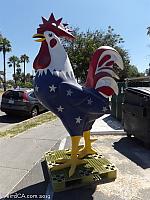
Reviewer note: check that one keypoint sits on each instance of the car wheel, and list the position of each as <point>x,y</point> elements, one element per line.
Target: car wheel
<point>34,112</point>
<point>129,135</point>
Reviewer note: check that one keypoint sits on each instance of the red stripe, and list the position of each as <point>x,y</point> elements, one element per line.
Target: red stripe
<point>110,63</point>
<point>106,90</point>
<point>103,60</point>
<point>92,67</point>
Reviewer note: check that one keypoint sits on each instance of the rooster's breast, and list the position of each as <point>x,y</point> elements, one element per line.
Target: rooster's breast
<point>46,89</point>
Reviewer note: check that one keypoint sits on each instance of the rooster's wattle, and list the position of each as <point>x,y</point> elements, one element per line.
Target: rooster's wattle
<point>56,87</point>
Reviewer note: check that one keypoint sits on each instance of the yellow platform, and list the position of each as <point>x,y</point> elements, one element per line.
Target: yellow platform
<point>97,170</point>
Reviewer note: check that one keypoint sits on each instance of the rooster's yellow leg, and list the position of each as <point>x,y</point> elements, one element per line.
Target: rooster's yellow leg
<point>73,162</point>
<point>87,150</point>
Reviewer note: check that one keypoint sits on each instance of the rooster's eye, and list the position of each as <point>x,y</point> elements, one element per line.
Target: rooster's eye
<point>50,34</point>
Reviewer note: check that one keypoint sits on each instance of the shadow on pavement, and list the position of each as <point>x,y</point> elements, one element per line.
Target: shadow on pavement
<point>113,123</point>
<point>36,185</point>
<point>39,191</point>
<point>36,191</point>
<point>76,194</point>
<point>133,150</point>
<point>11,119</point>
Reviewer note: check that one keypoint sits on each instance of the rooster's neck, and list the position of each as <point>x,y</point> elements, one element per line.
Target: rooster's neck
<point>59,59</point>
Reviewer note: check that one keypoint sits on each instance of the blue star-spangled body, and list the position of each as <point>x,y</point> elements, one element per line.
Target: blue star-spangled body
<point>76,106</point>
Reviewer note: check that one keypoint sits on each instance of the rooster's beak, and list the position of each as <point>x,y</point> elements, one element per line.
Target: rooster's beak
<point>40,36</point>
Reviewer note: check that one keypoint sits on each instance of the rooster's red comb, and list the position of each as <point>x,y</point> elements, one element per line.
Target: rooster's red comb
<point>55,26</point>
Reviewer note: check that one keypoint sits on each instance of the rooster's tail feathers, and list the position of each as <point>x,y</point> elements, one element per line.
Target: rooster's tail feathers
<point>107,86</point>
<point>100,74</point>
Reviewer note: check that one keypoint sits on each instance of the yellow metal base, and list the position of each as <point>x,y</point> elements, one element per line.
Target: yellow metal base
<point>97,170</point>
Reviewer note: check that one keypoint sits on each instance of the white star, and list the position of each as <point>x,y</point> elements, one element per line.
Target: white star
<point>78,120</point>
<point>36,88</point>
<point>104,109</point>
<point>52,88</point>
<point>89,101</point>
<point>60,109</point>
<point>69,92</point>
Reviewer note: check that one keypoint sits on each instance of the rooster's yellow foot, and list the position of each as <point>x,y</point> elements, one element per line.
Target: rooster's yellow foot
<point>79,148</point>
<point>93,140</point>
<point>72,163</point>
<point>86,151</point>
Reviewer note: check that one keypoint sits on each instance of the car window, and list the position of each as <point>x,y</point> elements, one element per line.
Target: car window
<point>13,94</point>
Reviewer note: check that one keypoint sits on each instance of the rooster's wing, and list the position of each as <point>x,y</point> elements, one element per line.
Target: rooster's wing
<point>86,100</point>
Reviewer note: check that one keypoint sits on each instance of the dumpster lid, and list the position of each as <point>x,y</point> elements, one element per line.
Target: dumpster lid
<point>141,90</point>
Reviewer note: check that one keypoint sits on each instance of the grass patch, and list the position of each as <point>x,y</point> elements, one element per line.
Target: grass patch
<point>27,124</point>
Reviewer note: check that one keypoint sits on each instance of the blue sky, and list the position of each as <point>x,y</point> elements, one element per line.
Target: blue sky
<point>19,20</point>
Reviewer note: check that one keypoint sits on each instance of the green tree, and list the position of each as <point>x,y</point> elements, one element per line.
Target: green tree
<point>82,48</point>
<point>129,69</point>
<point>14,62</point>
<point>29,77</point>
<point>133,71</point>
<point>24,59</point>
<point>19,76</point>
<point>10,83</point>
<point>5,47</point>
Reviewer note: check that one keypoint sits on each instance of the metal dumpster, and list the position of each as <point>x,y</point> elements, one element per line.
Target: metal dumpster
<point>136,113</point>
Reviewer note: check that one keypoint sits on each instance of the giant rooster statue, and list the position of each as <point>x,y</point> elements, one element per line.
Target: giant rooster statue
<point>56,87</point>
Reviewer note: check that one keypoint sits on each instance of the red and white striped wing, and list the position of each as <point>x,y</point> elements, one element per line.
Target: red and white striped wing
<point>104,81</point>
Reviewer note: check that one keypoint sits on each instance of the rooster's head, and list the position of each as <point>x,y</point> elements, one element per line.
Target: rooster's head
<point>48,34</point>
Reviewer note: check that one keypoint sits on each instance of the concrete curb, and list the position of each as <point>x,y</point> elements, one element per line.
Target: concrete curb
<point>120,132</point>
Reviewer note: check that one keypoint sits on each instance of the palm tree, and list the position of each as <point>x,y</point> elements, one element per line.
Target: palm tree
<point>5,46</point>
<point>24,59</point>
<point>15,62</point>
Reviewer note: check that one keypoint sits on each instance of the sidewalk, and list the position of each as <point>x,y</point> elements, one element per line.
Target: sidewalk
<point>19,155</point>
<point>107,125</point>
